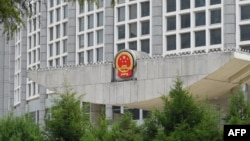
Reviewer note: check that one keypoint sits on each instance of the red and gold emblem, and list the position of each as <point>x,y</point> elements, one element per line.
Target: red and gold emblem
<point>124,63</point>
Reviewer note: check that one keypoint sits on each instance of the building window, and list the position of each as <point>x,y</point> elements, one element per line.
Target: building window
<point>245,14</point>
<point>81,41</point>
<point>38,54</point>
<point>215,36</point>
<point>133,30</point>
<point>81,7</point>
<point>99,53</point>
<point>90,21</point>
<point>51,63</point>
<point>185,4</point>
<point>29,89</point>
<point>34,88</point>
<point>212,2</point>
<point>245,32</point>
<point>185,20</point>
<point>133,45</point>
<point>100,3</point>
<point>57,48</point>
<point>65,29</point>
<point>135,113</point>
<point>34,56</point>
<point>90,56</point>
<point>200,3</point>
<point>30,26</point>
<point>58,2</point>
<point>171,42</point>
<point>121,14</point>
<point>121,32</point>
<point>145,45</point>
<point>200,18</point>
<point>38,38</point>
<point>34,40</point>
<point>30,45</point>
<point>51,16</point>
<point>65,45</point>
<point>34,24</point>
<point>185,40</point>
<point>65,11</point>
<point>120,47</point>
<point>50,50</point>
<point>58,62</point>
<point>90,39</point>
<point>215,16</point>
<point>81,58</point>
<point>29,58</point>
<point>51,33</point>
<point>100,19</point>
<point>81,24</point>
<point>57,31</point>
<point>58,14</point>
<point>51,3</point>
<point>145,10</point>
<point>171,5</point>
<point>133,11</point>
<point>64,59</point>
<point>171,23</point>
<point>247,47</point>
<point>99,36</point>
<point>200,38</point>
<point>145,28</point>
<point>90,6</point>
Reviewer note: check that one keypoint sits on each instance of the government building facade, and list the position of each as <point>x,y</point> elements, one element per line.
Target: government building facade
<point>125,56</point>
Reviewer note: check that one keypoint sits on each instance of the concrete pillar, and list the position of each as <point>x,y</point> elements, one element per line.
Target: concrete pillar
<point>43,60</point>
<point>108,112</point>
<point>156,25</point>
<point>109,31</point>
<point>229,17</point>
<point>71,47</point>
<point>244,88</point>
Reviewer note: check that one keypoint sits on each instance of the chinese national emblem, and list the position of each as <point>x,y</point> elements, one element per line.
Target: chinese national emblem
<point>124,64</point>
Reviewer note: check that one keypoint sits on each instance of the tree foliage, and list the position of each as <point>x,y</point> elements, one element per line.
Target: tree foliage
<point>68,119</point>
<point>19,129</point>
<point>125,129</point>
<point>99,132</point>
<point>182,118</point>
<point>239,109</point>
<point>11,15</point>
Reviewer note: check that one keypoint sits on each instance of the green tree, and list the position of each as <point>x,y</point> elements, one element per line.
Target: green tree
<point>19,129</point>
<point>11,15</point>
<point>126,129</point>
<point>239,109</point>
<point>98,132</point>
<point>182,118</point>
<point>68,119</point>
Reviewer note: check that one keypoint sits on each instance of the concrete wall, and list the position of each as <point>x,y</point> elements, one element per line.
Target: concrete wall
<point>152,78</point>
